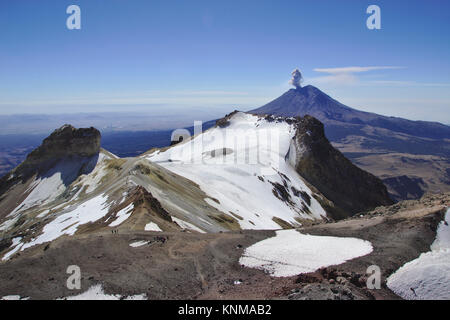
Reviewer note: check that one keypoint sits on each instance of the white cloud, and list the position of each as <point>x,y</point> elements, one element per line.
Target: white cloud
<point>349,70</point>
<point>335,79</point>
<point>409,83</point>
<point>345,75</point>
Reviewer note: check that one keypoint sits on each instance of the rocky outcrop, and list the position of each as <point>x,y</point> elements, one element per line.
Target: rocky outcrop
<point>350,188</point>
<point>225,121</point>
<point>144,199</point>
<point>65,142</point>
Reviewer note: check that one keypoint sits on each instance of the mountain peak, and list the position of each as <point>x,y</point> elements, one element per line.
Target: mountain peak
<point>67,151</point>
<point>68,141</point>
<point>64,142</point>
<point>301,101</point>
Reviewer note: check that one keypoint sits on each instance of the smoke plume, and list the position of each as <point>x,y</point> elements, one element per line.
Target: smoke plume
<point>296,78</point>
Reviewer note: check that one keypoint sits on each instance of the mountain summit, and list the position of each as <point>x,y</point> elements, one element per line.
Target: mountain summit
<point>68,151</point>
<point>307,100</point>
<point>314,102</point>
<point>411,157</point>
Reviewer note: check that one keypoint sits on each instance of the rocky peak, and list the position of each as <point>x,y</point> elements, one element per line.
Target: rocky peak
<point>65,142</point>
<point>225,121</point>
<point>350,188</point>
<point>142,198</point>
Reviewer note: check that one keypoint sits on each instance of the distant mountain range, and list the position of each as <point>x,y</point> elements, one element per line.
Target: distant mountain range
<point>412,157</point>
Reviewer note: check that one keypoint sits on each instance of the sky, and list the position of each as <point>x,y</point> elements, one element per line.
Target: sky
<point>148,55</point>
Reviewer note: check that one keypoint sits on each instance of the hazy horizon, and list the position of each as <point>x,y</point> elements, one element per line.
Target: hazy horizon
<point>131,58</point>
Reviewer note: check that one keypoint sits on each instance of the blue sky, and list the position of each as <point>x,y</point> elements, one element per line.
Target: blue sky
<point>219,55</point>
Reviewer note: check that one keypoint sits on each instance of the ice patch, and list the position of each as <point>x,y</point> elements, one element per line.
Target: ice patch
<point>291,253</point>
<point>428,276</point>
<point>7,224</point>
<point>96,293</point>
<point>43,213</point>
<point>138,243</point>
<point>186,225</point>
<point>14,297</point>
<point>16,245</point>
<point>151,226</point>
<point>122,215</point>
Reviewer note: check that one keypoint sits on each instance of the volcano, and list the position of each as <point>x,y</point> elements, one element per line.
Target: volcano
<point>411,157</point>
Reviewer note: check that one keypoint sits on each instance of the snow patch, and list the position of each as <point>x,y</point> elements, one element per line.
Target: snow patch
<point>151,226</point>
<point>186,225</point>
<point>93,179</point>
<point>16,245</point>
<point>122,215</point>
<point>291,253</point>
<point>14,297</point>
<point>52,184</point>
<point>138,243</point>
<point>43,213</point>
<point>97,293</point>
<point>68,223</point>
<point>428,276</point>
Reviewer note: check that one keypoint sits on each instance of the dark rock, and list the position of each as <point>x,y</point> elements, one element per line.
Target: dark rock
<point>280,191</point>
<point>65,142</point>
<point>143,198</point>
<point>350,188</point>
<point>225,121</point>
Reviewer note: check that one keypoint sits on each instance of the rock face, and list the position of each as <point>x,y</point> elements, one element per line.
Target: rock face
<point>350,188</point>
<point>143,198</point>
<point>66,141</point>
<point>225,121</point>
